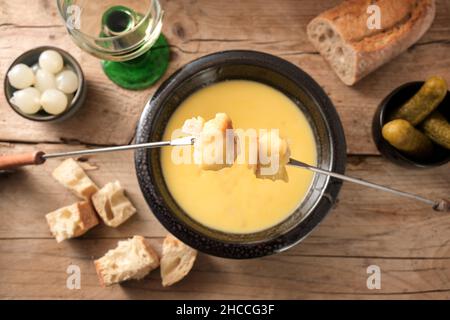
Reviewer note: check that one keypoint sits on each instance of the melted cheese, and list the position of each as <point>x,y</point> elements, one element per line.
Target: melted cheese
<point>233,199</point>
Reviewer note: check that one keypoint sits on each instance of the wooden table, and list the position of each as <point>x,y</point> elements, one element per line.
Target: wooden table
<point>407,240</point>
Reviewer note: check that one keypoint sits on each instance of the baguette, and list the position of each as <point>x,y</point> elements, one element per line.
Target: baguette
<point>70,174</point>
<point>71,221</point>
<point>131,259</point>
<point>176,261</point>
<point>112,205</point>
<point>342,36</point>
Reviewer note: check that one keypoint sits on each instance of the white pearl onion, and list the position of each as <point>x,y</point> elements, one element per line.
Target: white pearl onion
<point>51,61</point>
<point>35,68</point>
<point>21,76</point>
<point>45,80</point>
<point>54,101</point>
<point>67,81</point>
<point>27,100</point>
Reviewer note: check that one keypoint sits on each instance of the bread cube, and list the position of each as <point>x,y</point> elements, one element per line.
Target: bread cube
<point>72,221</point>
<point>273,156</point>
<point>131,259</point>
<point>70,174</point>
<point>176,261</point>
<point>210,147</point>
<point>112,205</point>
<point>193,126</point>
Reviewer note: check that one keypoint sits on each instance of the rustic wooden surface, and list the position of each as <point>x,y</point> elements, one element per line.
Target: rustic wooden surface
<point>407,240</point>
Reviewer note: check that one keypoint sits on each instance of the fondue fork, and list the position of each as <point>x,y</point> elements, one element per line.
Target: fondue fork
<point>185,141</point>
<point>439,205</point>
<point>8,162</point>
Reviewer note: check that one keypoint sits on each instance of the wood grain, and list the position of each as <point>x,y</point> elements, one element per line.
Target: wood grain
<point>194,29</point>
<point>406,239</point>
<point>37,269</point>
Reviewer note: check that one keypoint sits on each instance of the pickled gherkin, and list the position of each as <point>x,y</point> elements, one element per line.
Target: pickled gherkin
<point>423,102</point>
<point>404,137</point>
<point>437,128</point>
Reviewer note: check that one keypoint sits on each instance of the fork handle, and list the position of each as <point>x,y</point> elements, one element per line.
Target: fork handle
<point>13,161</point>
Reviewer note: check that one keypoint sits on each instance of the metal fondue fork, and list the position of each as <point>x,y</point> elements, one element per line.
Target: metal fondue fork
<point>13,161</point>
<point>185,141</point>
<point>440,205</point>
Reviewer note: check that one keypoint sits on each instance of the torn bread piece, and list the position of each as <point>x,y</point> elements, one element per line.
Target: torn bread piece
<point>273,156</point>
<point>72,221</point>
<point>112,205</point>
<point>131,259</point>
<point>176,261</point>
<point>70,174</point>
<point>193,126</point>
<point>214,146</point>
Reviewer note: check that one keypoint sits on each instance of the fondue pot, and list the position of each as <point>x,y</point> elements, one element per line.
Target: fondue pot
<point>295,84</point>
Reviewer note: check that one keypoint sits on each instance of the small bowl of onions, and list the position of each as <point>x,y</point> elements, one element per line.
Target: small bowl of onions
<point>45,84</point>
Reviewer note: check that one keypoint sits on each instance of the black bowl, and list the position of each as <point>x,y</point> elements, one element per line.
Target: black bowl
<point>393,101</point>
<point>281,75</point>
<point>30,58</point>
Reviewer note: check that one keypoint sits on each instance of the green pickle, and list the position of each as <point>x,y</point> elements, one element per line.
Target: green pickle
<point>404,137</point>
<point>437,128</point>
<point>424,102</point>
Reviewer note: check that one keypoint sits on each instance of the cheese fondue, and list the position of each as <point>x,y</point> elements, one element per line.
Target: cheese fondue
<point>234,199</point>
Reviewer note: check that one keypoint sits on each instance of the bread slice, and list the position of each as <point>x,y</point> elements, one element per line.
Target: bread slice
<point>343,38</point>
<point>112,205</point>
<point>131,259</point>
<point>176,261</point>
<point>72,221</point>
<point>72,176</point>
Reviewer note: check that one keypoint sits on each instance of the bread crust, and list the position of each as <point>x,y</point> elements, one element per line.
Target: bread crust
<point>99,271</point>
<point>404,22</point>
<point>88,217</point>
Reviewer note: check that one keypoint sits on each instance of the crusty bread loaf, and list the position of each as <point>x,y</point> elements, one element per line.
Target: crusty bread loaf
<point>176,261</point>
<point>72,176</point>
<point>131,259</point>
<point>72,221</point>
<point>344,39</point>
<point>112,205</point>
